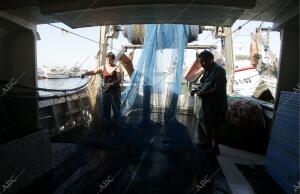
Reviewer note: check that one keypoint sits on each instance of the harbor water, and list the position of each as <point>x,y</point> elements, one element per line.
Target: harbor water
<point>60,84</point>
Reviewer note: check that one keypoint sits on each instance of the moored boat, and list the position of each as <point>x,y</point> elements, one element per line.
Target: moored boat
<point>58,73</point>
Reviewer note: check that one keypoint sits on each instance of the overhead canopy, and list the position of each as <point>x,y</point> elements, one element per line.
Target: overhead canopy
<point>82,13</point>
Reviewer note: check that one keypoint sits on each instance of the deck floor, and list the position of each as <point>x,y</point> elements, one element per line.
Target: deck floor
<point>151,158</point>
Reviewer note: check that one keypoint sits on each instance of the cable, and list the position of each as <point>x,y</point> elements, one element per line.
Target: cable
<point>241,26</point>
<point>261,24</point>
<point>46,89</point>
<point>84,12</point>
<point>24,95</point>
<point>73,33</point>
<point>187,6</point>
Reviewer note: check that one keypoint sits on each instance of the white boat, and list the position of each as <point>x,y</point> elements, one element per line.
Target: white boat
<point>246,81</point>
<point>57,73</point>
<point>57,76</point>
<point>254,80</point>
<point>75,71</point>
<point>249,81</point>
<point>41,73</point>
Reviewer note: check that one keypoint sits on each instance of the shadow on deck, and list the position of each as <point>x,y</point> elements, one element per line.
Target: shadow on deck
<point>147,158</point>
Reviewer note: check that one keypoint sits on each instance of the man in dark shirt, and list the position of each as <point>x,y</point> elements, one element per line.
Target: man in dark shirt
<point>212,91</point>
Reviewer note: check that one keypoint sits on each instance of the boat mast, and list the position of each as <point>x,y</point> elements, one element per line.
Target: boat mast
<point>103,42</point>
<point>229,62</point>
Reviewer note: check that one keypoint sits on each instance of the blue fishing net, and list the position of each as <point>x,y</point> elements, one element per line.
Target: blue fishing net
<point>156,81</point>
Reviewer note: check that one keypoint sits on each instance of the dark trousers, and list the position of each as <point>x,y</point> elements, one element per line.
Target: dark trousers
<point>213,124</point>
<point>213,132</point>
<point>111,99</point>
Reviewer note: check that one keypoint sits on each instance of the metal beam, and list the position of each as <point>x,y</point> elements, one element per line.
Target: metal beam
<point>188,47</point>
<point>60,6</point>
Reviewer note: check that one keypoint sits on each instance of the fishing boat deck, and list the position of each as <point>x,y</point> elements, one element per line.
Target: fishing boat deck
<point>143,158</point>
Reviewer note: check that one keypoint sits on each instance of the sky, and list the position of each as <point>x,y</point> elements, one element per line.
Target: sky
<point>60,48</point>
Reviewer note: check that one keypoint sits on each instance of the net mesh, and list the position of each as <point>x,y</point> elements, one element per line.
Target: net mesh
<point>156,81</point>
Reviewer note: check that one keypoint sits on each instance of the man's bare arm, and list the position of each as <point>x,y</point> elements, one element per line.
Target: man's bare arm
<point>98,70</point>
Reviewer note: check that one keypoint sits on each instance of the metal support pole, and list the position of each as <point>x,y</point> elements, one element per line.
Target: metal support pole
<point>229,62</point>
<point>103,45</point>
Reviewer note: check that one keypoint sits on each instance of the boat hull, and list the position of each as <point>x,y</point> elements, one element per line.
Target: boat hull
<point>57,76</point>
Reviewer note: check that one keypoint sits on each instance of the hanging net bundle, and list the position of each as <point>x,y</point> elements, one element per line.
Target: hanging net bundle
<point>156,81</point>
<point>135,33</point>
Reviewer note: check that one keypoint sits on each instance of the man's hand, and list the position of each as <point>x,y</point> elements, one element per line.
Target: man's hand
<point>199,93</point>
<point>83,75</point>
<point>193,92</point>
